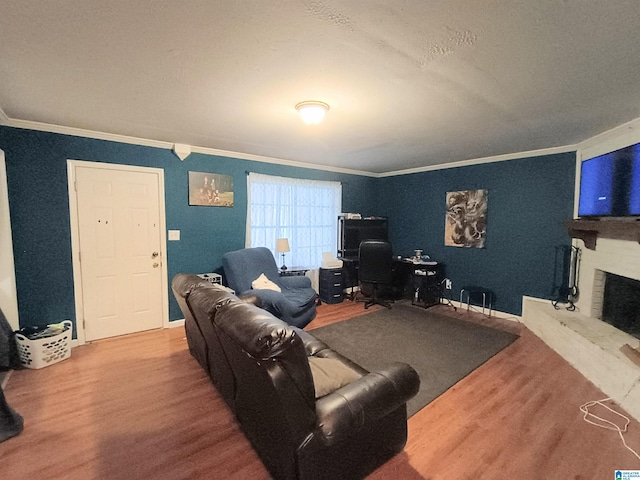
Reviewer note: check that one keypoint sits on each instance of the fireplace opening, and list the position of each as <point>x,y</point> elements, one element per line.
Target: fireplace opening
<point>621,303</point>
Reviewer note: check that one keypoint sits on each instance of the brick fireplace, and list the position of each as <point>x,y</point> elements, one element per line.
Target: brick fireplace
<point>617,256</point>
<point>617,301</point>
<point>589,344</point>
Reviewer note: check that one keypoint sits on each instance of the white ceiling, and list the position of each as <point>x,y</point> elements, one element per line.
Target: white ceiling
<point>411,83</point>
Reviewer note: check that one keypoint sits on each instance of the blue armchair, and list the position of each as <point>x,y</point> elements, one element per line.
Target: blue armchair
<point>295,304</point>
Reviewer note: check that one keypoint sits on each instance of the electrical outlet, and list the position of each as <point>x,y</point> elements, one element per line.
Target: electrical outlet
<point>447,284</point>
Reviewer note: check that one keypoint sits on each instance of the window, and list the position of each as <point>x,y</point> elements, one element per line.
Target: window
<point>304,211</point>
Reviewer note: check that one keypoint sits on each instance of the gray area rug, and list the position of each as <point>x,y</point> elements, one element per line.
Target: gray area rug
<point>443,350</point>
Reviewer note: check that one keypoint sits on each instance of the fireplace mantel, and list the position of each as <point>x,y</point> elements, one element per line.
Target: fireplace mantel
<point>589,230</point>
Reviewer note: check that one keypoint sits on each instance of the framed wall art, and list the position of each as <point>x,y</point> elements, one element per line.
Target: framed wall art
<point>210,189</point>
<point>466,219</point>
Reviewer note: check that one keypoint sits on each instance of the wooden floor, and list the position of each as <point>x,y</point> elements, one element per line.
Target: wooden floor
<point>140,407</point>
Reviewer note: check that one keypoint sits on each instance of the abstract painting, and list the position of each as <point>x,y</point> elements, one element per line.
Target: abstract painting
<point>466,219</point>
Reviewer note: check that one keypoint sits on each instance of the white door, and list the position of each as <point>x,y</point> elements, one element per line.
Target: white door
<point>120,254</point>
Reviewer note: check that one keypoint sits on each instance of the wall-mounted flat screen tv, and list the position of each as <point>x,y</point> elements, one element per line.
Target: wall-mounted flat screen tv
<point>610,184</point>
<point>634,196</point>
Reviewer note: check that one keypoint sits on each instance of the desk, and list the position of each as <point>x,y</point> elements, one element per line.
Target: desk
<point>406,283</point>
<point>422,282</point>
<point>350,268</point>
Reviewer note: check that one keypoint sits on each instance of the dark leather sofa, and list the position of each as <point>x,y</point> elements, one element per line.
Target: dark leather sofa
<point>309,412</point>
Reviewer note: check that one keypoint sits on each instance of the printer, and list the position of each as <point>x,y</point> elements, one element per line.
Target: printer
<point>329,261</point>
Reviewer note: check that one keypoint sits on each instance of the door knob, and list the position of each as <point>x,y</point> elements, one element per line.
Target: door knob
<point>155,265</point>
<point>155,254</point>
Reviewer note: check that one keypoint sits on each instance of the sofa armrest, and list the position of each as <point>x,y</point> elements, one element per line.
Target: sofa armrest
<point>365,400</point>
<point>295,281</point>
<point>311,344</point>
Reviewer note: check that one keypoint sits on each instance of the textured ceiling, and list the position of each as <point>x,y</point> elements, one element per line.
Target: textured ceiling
<point>411,83</point>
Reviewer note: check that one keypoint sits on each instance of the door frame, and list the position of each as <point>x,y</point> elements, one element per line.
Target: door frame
<point>8,291</point>
<point>75,237</point>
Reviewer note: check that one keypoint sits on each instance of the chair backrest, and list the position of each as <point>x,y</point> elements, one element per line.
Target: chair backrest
<point>204,302</point>
<point>182,285</point>
<point>376,262</point>
<point>241,267</point>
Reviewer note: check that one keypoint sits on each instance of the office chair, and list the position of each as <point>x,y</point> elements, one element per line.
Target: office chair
<point>376,263</point>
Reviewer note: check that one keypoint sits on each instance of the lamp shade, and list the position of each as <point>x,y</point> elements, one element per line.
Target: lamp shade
<point>282,245</point>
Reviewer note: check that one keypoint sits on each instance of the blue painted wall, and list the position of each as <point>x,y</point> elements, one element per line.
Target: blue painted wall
<point>39,205</point>
<point>528,199</point>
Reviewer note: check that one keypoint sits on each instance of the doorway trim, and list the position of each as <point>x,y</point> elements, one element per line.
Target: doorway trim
<point>8,291</point>
<point>75,237</point>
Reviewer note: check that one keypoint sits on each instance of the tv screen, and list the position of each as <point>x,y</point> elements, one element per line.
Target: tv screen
<point>596,186</point>
<point>610,184</point>
<point>634,195</point>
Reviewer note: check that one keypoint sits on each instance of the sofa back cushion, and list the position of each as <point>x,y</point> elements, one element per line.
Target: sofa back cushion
<point>267,339</point>
<point>182,285</point>
<point>275,401</point>
<point>204,302</point>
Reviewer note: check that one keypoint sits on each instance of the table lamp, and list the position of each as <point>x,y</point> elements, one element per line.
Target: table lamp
<point>282,246</point>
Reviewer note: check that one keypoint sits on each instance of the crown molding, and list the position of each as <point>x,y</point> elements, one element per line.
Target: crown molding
<point>80,132</point>
<point>113,137</point>
<point>611,140</point>
<point>279,161</point>
<point>478,161</point>
<point>618,137</point>
<point>4,118</point>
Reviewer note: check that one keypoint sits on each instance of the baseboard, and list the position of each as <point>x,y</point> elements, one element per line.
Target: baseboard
<point>173,324</point>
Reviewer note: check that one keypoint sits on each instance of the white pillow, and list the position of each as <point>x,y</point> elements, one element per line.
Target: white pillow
<point>263,283</point>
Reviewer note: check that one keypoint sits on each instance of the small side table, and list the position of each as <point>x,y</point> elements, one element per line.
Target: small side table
<point>426,291</point>
<point>215,278</point>
<point>478,292</point>
<point>293,272</point>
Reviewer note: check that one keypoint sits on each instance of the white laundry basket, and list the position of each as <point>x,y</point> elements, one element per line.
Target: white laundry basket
<point>46,351</point>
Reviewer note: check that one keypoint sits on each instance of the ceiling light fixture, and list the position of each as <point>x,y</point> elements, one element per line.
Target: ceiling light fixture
<point>312,112</point>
